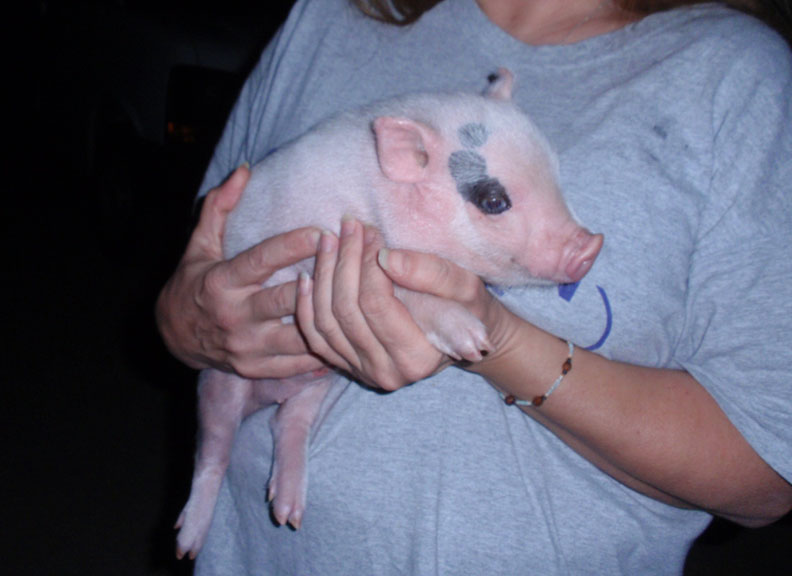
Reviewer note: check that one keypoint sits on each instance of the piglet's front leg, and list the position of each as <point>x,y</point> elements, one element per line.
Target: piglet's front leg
<point>449,326</point>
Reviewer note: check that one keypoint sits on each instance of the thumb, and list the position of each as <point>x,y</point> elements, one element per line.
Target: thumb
<point>207,238</point>
<point>427,273</point>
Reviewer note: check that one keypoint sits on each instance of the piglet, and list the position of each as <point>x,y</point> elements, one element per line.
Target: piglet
<point>465,176</point>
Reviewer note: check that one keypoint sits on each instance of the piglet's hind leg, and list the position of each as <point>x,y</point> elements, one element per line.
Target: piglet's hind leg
<point>291,432</point>
<point>221,401</point>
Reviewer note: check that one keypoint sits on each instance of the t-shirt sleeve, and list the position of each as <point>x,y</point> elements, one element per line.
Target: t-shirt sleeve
<point>275,105</point>
<point>736,340</point>
<point>232,149</point>
<point>257,116</point>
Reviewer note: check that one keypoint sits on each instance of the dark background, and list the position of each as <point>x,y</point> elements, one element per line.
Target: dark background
<point>115,108</point>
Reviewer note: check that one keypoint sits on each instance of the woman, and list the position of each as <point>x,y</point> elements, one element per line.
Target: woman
<point>674,132</point>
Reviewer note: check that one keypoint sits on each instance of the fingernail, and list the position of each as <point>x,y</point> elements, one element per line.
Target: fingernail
<point>370,235</point>
<point>390,261</point>
<point>347,225</point>
<point>304,284</point>
<point>314,236</point>
<point>382,258</point>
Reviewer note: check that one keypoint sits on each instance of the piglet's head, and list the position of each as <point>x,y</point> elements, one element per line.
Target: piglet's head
<point>479,186</point>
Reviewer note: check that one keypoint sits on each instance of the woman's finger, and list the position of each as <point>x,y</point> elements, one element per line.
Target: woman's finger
<point>430,274</point>
<point>322,330</point>
<point>411,354</point>
<point>273,302</point>
<point>305,315</point>
<point>346,287</point>
<point>280,366</point>
<point>256,264</point>
<point>207,237</point>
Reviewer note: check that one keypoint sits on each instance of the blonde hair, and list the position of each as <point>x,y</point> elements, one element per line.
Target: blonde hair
<point>774,12</point>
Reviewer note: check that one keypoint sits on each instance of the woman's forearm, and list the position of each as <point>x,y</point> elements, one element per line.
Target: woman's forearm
<point>657,431</point>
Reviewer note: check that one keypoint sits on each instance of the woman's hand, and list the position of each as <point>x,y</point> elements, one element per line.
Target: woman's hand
<point>350,316</point>
<point>213,312</point>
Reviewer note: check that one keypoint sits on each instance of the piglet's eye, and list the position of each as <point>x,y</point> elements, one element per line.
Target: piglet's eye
<point>489,196</point>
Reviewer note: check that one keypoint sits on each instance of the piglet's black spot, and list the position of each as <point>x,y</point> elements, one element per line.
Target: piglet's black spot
<point>473,135</point>
<point>467,166</point>
<point>489,196</point>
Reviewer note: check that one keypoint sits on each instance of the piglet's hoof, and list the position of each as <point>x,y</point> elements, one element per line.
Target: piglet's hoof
<point>287,499</point>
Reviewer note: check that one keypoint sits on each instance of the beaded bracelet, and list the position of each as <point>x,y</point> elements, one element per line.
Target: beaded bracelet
<point>539,400</point>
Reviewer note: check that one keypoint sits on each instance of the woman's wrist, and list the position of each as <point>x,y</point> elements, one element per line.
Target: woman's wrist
<point>527,362</point>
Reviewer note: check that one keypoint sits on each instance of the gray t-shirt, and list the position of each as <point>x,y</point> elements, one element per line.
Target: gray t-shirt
<point>675,141</point>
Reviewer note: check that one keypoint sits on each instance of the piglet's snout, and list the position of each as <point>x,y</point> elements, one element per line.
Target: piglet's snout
<point>581,251</point>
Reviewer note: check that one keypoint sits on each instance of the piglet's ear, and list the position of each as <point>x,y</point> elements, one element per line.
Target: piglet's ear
<point>500,85</point>
<point>403,148</point>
